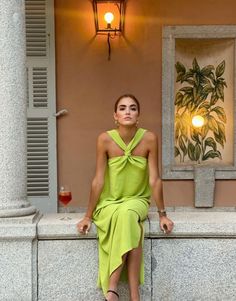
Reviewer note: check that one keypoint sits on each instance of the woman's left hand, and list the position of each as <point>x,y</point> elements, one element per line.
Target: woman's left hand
<point>166,224</point>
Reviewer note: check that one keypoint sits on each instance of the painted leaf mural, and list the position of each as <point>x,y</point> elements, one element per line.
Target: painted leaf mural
<point>201,94</point>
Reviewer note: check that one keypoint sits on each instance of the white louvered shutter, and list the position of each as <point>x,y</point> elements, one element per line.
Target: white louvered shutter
<point>41,123</point>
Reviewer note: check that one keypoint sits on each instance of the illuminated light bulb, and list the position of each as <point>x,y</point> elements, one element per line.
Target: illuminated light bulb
<point>109,17</point>
<point>198,121</point>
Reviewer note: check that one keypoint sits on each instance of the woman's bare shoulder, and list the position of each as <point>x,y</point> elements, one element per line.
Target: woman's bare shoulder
<point>103,138</point>
<point>151,141</point>
<point>103,142</point>
<point>150,137</point>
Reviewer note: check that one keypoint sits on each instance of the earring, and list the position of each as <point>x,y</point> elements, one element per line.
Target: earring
<point>116,123</point>
<point>137,123</point>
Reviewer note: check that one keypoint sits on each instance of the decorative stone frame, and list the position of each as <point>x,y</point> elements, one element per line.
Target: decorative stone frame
<point>170,33</point>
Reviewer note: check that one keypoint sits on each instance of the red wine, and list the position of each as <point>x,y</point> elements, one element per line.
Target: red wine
<point>65,197</point>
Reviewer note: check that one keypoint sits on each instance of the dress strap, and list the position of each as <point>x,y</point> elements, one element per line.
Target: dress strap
<point>114,134</point>
<point>137,138</point>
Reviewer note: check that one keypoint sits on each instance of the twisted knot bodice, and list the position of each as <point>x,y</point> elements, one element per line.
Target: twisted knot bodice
<point>127,152</point>
<point>132,144</point>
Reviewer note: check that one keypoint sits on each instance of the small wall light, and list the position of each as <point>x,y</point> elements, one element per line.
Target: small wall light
<point>198,121</point>
<point>109,18</point>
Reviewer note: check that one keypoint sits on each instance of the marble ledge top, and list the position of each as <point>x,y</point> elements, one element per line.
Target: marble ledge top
<point>187,224</point>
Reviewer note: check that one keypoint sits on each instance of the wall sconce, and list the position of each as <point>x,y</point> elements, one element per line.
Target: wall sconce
<point>109,19</point>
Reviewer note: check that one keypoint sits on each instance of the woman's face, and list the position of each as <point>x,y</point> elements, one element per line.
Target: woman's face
<point>127,112</point>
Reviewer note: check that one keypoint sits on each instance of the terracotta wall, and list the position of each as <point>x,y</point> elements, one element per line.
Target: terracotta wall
<point>88,84</point>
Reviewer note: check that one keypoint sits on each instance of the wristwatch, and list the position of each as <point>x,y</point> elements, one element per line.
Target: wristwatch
<point>162,212</point>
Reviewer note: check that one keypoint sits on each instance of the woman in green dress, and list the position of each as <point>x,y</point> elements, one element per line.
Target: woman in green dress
<point>126,176</point>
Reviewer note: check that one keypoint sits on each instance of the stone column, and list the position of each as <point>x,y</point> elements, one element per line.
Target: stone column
<point>13,105</point>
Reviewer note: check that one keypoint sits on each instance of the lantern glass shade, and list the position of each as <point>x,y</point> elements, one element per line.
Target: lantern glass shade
<point>101,8</point>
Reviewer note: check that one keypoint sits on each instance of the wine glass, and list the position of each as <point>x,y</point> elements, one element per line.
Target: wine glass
<point>65,197</point>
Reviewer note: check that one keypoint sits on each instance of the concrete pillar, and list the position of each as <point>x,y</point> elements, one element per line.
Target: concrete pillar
<point>13,102</point>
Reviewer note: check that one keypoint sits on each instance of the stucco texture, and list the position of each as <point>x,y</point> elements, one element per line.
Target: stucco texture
<point>88,84</point>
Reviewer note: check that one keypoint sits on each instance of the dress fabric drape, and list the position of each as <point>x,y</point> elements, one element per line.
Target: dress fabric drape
<point>122,208</point>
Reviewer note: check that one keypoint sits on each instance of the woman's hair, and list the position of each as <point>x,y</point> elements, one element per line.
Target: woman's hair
<point>124,96</point>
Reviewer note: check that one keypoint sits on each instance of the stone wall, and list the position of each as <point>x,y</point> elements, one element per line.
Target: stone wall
<point>196,262</point>
<point>43,258</point>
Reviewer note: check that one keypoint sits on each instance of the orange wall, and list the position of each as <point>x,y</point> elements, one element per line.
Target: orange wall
<point>88,84</point>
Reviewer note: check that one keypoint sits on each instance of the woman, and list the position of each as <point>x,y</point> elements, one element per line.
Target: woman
<point>126,173</point>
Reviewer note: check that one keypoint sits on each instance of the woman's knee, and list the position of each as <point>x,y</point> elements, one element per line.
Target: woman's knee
<point>128,214</point>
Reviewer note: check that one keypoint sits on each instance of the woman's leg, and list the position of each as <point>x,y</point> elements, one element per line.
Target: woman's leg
<point>134,258</point>
<point>133,265</point>
<point>114,279</point>
<point>127,220</point>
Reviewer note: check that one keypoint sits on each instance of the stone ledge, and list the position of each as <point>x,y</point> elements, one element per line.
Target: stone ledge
<point>15,232</point>
<point>22,220</point>
<point>196,224</point>
<point>52,227</point>
<point>19,228</point>
<point>187,224</point>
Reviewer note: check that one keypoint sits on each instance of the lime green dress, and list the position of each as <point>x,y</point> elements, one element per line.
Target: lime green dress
<point>122,208</point>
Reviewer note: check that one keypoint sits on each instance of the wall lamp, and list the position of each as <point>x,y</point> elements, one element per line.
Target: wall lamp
<point>109,19</point>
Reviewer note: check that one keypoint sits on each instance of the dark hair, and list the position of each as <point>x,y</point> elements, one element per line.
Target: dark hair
<point>124,96</point>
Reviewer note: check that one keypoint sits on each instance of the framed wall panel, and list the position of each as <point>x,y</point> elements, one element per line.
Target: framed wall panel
<point>198,79</point>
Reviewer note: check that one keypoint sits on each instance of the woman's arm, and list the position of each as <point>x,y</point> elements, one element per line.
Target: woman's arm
<point>156,183</point>
<point>97,183</point>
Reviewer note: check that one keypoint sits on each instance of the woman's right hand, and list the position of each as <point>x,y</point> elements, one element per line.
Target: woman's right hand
<point>84,225</point>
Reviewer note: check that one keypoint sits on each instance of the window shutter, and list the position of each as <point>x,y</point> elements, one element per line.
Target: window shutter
<point>41,122</point>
